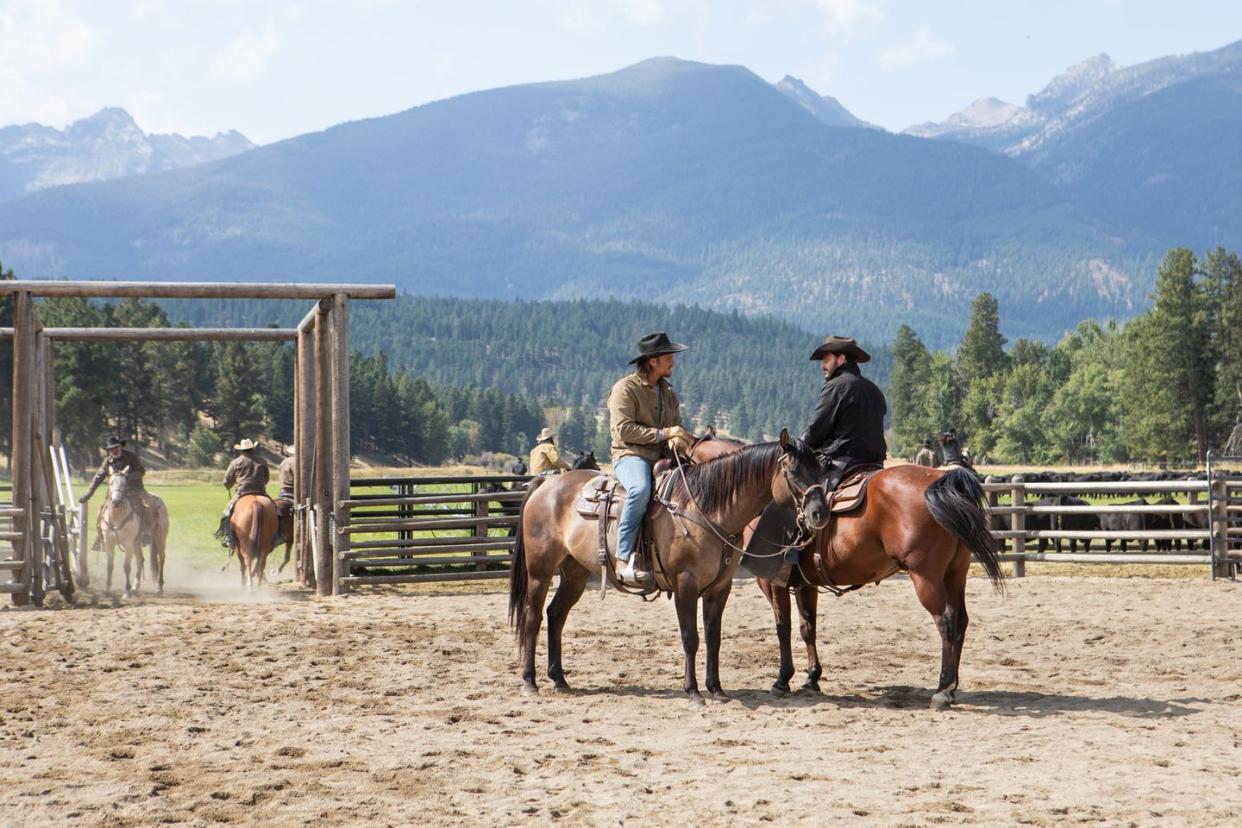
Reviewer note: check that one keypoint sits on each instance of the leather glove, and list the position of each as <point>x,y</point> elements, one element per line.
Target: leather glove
<point>679,433</point>
<point>677,445</point>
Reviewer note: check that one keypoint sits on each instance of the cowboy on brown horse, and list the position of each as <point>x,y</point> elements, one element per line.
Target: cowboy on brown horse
<point>644,414</point>
<point>847,425</point>
<point>120,459</point>
<point>250,475</point>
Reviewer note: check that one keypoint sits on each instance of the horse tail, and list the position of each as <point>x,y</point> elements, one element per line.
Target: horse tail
<point>518,585</point>
<point>955,501</point>
<point>256,525</point>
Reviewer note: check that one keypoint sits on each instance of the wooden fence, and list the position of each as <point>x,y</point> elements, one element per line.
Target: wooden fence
<point>412,529</point>
<point>418,529</point>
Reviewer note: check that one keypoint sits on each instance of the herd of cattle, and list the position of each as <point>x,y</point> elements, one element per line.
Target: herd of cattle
<point>1110,521</point>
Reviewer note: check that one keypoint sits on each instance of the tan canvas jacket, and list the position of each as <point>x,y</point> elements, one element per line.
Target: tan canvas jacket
<point>636,413</point>
<point>545,458</point>
<point>286,473</point>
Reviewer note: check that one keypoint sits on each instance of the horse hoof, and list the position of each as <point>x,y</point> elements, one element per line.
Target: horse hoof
<point>530,689</point>
<point>811,689</point>
<point>780,690</point>
<point>696,702</point>
<point>942,701</point>
<point>561,687</point>
<point>720,696</point>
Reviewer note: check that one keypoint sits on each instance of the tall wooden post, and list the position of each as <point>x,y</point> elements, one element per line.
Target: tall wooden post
<point>303,435</point>
<point>38,477</point>
<point>23,431</point>
<point>340,439</point>
<point>1018,524</point>
<point>1218,526</point>
<point>323,451</point>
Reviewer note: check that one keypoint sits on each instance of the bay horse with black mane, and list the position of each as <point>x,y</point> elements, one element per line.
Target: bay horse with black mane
<point>921,521</point>
<point>695,554</point>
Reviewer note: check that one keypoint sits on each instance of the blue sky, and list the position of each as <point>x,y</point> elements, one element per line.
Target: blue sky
<point>277,69</point>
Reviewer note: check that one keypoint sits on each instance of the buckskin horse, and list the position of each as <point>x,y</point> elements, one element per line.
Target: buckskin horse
<point>119,525</point>
<point>916,520</point>
<point>254,525</point>
<point>694,554</point>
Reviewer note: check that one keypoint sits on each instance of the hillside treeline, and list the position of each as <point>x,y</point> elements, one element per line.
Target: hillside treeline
<point>1163,388</point>
<point>749,375</point>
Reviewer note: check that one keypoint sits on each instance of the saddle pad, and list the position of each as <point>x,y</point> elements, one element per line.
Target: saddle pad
<point>851,492</point>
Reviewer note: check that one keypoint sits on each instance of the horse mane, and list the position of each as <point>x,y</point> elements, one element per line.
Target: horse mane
<point>712,485</point>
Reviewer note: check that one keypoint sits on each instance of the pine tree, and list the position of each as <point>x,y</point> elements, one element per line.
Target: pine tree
<point>908,392</point>
<point>982,351</point>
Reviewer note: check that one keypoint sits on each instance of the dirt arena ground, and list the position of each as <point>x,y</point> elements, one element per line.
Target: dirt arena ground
<point>1084,700</point>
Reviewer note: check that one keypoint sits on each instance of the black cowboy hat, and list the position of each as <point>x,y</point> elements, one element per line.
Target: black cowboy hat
<point>114,442</point>
<point>656,344</point>
<point>927,443</point>
<point>841,345</point>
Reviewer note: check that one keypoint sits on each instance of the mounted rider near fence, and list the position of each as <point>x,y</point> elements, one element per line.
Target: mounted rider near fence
<point>249,524</point>
<point>120,525</point>
<point>694,530</point>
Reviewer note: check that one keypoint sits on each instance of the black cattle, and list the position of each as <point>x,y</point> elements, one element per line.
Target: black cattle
<point>1123,522</point>
<point>1164,523</point>
<point>1080,522</point>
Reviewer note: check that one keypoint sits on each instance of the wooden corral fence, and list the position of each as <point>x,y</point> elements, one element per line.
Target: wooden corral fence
<point>412,529</point>
<point>1032,517</point>
<point>34,526</point>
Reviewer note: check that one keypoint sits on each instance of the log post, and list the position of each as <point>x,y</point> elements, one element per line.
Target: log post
<point>482,508</point>
<point>23,431</point>
<point>303,435</point>
<point>1218,522</point>
<point>1018,523</point>
<point>340,439</point>
<point>323,453</point>
<point>38,479</point>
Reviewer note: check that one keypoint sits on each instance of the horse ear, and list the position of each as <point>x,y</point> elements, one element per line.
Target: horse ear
<point>784,439</point>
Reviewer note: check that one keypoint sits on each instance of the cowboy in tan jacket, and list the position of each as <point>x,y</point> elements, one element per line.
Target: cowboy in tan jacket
<point>643,414</point>
<point>544,458</point>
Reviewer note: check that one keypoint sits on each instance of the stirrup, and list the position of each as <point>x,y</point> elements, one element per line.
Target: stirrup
<point>628,575</point>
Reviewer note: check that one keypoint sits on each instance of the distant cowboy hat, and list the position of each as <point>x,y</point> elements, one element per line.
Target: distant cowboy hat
<point>841,345</point>
<point>927,443</point>
<point>546,434</point>
<point>246,444</point>
<point>290,450</point>
<point>114,442</point>
<point>656,344</point>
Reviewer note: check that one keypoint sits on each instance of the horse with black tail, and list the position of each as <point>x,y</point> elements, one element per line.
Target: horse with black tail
<point>920,521</point>
<point>694,535</point>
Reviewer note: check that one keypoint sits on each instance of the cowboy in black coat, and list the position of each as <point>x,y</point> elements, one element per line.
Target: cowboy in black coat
<point>847,426</point>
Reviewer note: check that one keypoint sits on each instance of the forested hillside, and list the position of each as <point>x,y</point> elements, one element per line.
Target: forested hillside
<point>1163,388</point>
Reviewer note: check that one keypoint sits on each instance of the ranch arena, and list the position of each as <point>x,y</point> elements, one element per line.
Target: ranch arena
<point>1084,700</point>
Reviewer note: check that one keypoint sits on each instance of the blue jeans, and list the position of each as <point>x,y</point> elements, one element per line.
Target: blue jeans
<point>635,475</point>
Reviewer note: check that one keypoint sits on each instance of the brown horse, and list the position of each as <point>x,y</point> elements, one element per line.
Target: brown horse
<point>284,520</point>
<point>254,525</point>
<point>695,556</point>
<point>921,521</point>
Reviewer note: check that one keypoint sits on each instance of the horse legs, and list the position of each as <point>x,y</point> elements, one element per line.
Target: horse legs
<point>779,599</point>
<point>125,567</point>
<point>138,560</point>
<point>110,551</point>
<point>713,611</point>
<point>537,593</point>
<point>945,598</point>
<point>808,607</point>
<point>573,583</point>
<point>686,599</point>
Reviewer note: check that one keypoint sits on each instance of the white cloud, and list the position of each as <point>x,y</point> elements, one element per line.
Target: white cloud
<point>643,12</point>
<point>38,40</point>
<point>920,47</point>
<point>842,18</point>
<point>247,56</point>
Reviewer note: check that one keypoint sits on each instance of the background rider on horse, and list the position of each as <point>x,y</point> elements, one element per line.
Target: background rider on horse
<point>544,458</point>
<point>644,414</point>
<point>121,459</point>
<point>250,475</point>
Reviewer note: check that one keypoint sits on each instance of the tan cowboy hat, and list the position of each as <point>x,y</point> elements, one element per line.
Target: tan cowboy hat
<point>290,450</point>
<point>246,444</point>
<point>840,345</point>
<point>546,434</point>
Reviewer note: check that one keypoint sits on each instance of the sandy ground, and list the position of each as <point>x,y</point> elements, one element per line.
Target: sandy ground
<point>1084,700</point>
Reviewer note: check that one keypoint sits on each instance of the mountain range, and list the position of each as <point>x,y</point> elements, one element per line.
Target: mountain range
<point>108,144</point>
<point>678,181</point>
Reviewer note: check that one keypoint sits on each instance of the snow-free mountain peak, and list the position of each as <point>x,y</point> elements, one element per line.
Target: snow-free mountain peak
<point>824,107</point>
